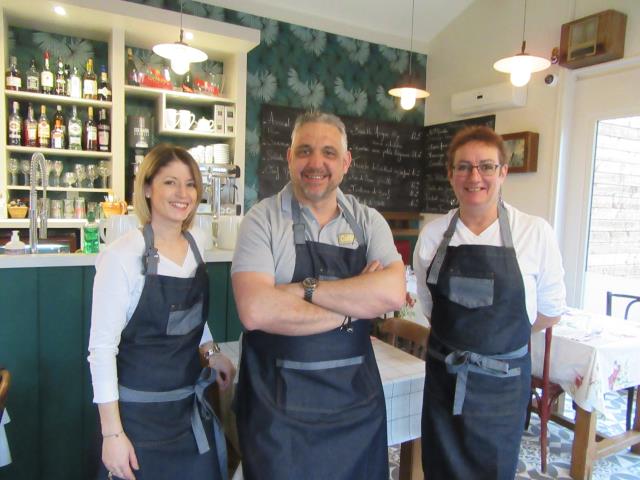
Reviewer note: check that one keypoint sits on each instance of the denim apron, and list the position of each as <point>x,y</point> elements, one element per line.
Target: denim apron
<point>312,407</point>
<point>172,427</point>
<point>478,373</point>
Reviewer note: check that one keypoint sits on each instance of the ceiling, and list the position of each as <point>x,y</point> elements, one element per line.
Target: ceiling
<point>378,21</point>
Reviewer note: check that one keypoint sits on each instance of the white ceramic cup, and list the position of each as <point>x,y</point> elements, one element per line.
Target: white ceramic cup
<point>186,119</point>
<point>225,230</point>
<point>115,226</point>
<point>204,221</point>
<point>208,154</point>
<point>171,118</point>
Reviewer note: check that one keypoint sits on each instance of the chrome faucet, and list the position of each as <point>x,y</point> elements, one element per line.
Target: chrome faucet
<point>37,159</point>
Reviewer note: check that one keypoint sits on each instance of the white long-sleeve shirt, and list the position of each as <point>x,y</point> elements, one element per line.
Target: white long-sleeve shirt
<point>536,250</point>
<point>117,288</point>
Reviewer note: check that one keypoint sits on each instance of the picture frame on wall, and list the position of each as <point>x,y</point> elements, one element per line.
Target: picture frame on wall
<point>522,151</point>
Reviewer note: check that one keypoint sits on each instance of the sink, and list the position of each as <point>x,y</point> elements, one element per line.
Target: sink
<point>45,248</point>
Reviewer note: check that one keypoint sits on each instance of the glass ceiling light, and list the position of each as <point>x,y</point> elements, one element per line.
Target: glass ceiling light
<point>409,87</point>
<point>179,53</point>
<point>522,65</point>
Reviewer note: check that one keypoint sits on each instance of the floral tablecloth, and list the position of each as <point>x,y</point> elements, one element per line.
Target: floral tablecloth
<point>590,355</point>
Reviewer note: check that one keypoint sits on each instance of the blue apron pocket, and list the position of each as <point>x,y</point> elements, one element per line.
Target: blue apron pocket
<point>323,387</point>
<point>183,321</point>
<point>471,292</point>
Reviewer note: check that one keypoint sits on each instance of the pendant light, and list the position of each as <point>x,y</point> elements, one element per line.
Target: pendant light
<point>409,87</point>
<point>179,53</point>
<point>522,65</point>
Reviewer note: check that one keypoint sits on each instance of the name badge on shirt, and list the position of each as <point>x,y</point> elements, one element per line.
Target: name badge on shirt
<point>345,238</point>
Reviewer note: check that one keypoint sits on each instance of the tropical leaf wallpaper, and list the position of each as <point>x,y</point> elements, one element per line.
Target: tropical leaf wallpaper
<point>293,66</point>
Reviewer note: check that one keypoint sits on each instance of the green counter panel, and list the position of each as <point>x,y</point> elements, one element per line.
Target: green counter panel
<point>44,333</point>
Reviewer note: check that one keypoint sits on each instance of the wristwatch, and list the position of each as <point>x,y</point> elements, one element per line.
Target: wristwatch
<point>211,351</point>
<point>309,284</point>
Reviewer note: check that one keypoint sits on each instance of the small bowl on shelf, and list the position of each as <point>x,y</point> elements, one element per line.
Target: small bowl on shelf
<point>18,211</point>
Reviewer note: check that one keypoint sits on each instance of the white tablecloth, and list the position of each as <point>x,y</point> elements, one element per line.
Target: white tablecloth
<point>402,380</point>
<point>590,355</point>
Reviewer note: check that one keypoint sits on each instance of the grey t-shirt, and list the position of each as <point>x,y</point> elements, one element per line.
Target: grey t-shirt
<point>265,240</point>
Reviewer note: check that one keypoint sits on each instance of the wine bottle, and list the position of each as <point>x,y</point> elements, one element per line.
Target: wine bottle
<point>44,129</point>
<point>15,125</point>
<point>90,134</point>
<point>58,130</point>
<point>33,78</point>
<point>89,83</point>
<point>74,127</point>
<point>61,81</point>
<point>30,129</point>
<point>74,84</point>
<point>132,71</point>
<point>104,92</point>
<point>46,76</point>
<point>13,78</point>
<point>104,131</point>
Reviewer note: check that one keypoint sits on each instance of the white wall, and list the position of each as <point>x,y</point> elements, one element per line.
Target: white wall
<point>461,58</point>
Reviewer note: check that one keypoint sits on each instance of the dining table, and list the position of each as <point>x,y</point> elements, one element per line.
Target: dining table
<point>402,377</point>
<point>591,355</point>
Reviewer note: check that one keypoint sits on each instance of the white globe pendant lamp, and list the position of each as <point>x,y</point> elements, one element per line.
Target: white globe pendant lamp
<point>179,53</point>
<point>409,88</point>
<point>522,65</point>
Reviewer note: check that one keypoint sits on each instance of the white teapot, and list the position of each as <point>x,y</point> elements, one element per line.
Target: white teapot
<point>204,124</point>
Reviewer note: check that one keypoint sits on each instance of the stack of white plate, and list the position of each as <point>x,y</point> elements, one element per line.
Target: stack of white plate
<point>220,153</point>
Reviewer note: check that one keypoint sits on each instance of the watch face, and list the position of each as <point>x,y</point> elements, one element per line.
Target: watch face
<point>310,282</point>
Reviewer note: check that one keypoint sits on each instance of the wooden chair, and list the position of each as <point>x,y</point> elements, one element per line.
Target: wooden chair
<point>545,399</point>
<point>633,300</point>
<point>406,335</point>
<point>412,338</point>
<point>5,382</point>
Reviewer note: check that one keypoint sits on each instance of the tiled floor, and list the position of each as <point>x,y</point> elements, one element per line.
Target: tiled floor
<point>623,466</point>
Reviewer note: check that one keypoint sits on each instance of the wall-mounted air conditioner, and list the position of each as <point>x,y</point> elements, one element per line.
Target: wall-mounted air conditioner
<point>488,99</point>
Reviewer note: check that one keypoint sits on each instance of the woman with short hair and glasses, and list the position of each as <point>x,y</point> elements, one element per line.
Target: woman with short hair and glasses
<point>488,275</point>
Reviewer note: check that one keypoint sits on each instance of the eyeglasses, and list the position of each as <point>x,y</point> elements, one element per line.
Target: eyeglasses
<point>485,169</point>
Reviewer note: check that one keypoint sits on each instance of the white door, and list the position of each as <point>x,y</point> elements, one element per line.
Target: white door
<point>593,94</point>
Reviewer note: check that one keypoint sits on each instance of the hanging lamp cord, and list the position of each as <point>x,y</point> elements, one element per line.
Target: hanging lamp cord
<point>181,30</point>
<point>413,5</point>
<point>524,27</point>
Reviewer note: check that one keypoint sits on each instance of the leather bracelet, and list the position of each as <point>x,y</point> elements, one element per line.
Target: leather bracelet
<point>116,435</point>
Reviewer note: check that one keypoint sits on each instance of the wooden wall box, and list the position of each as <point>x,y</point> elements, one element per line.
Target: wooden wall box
<point>594,39</point>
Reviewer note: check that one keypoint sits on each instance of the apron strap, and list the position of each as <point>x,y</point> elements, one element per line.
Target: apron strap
<point>438,260</point>
<point>150,257</point>
<point>461,362</point>
<point>201,408</point>
<point>194,247</point>
<point>299,226</point>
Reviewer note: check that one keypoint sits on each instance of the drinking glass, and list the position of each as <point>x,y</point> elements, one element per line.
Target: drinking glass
<point>25,167</point>
<point>68,179</point>
<point>92,174</point>
<point>81,173</point>
<point>48,167</point>
<point>104,171</point>
<point>57,169</point>
<point>14,168</point>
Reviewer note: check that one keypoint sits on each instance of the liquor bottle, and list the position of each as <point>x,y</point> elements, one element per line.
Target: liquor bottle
<point>187,82</point>
<point>33,78</point>
<point>104,131</point>
<point>104,92</point>
<point>15,126</point>
<point>132,71</point>
<point>166,72</point>
<point>46,76</point>
<point>91,234</point>
<point>90,133</point>
<point>30,129</point>
<point>61,80</point>
<point>44,129</point>
<point>89,84</point>
<point>74,127</point>
<point>74,84</point>
<point>58,132</point>
<point>13,79</point>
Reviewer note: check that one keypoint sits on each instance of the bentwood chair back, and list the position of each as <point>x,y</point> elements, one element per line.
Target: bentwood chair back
<point>406,335</point>
<point>632,300</point>
<point>546,393</point>
<point>5,382</point>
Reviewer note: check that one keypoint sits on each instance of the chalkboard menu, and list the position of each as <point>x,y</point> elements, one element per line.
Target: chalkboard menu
<point>438,196</point>
<point>388,159</point>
